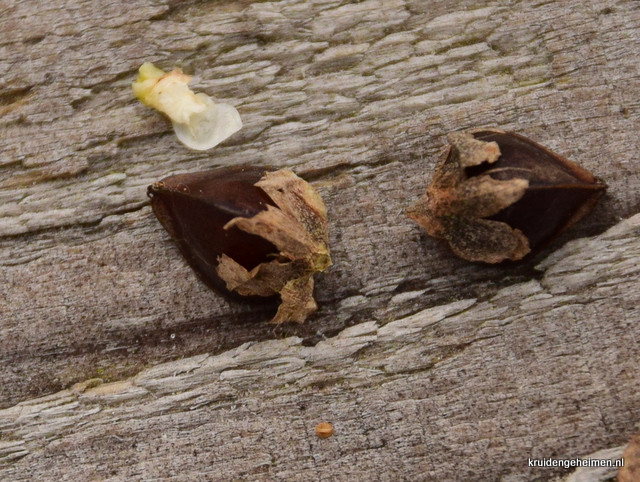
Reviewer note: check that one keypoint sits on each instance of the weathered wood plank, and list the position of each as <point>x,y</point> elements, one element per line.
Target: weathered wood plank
<point>355,97</point>
<point>541,369</point>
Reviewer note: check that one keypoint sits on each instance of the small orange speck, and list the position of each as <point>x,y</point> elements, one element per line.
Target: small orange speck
<point>324,430</point>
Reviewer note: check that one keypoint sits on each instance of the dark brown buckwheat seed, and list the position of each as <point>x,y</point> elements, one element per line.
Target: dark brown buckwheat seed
<point>247,232</point>
<point>497,195</point>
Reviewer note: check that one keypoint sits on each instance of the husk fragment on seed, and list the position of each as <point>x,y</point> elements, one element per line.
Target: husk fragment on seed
<point>472,152</point>
<point>298,229</point>
<point>454,205</point>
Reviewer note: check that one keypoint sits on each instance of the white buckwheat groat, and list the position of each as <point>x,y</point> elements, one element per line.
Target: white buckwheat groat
<point>198,122</point>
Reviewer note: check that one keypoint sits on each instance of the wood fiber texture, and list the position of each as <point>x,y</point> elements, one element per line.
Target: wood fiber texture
<point>116,363</point>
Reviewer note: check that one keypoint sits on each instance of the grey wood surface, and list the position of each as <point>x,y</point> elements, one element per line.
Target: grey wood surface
<point>429,367</point>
